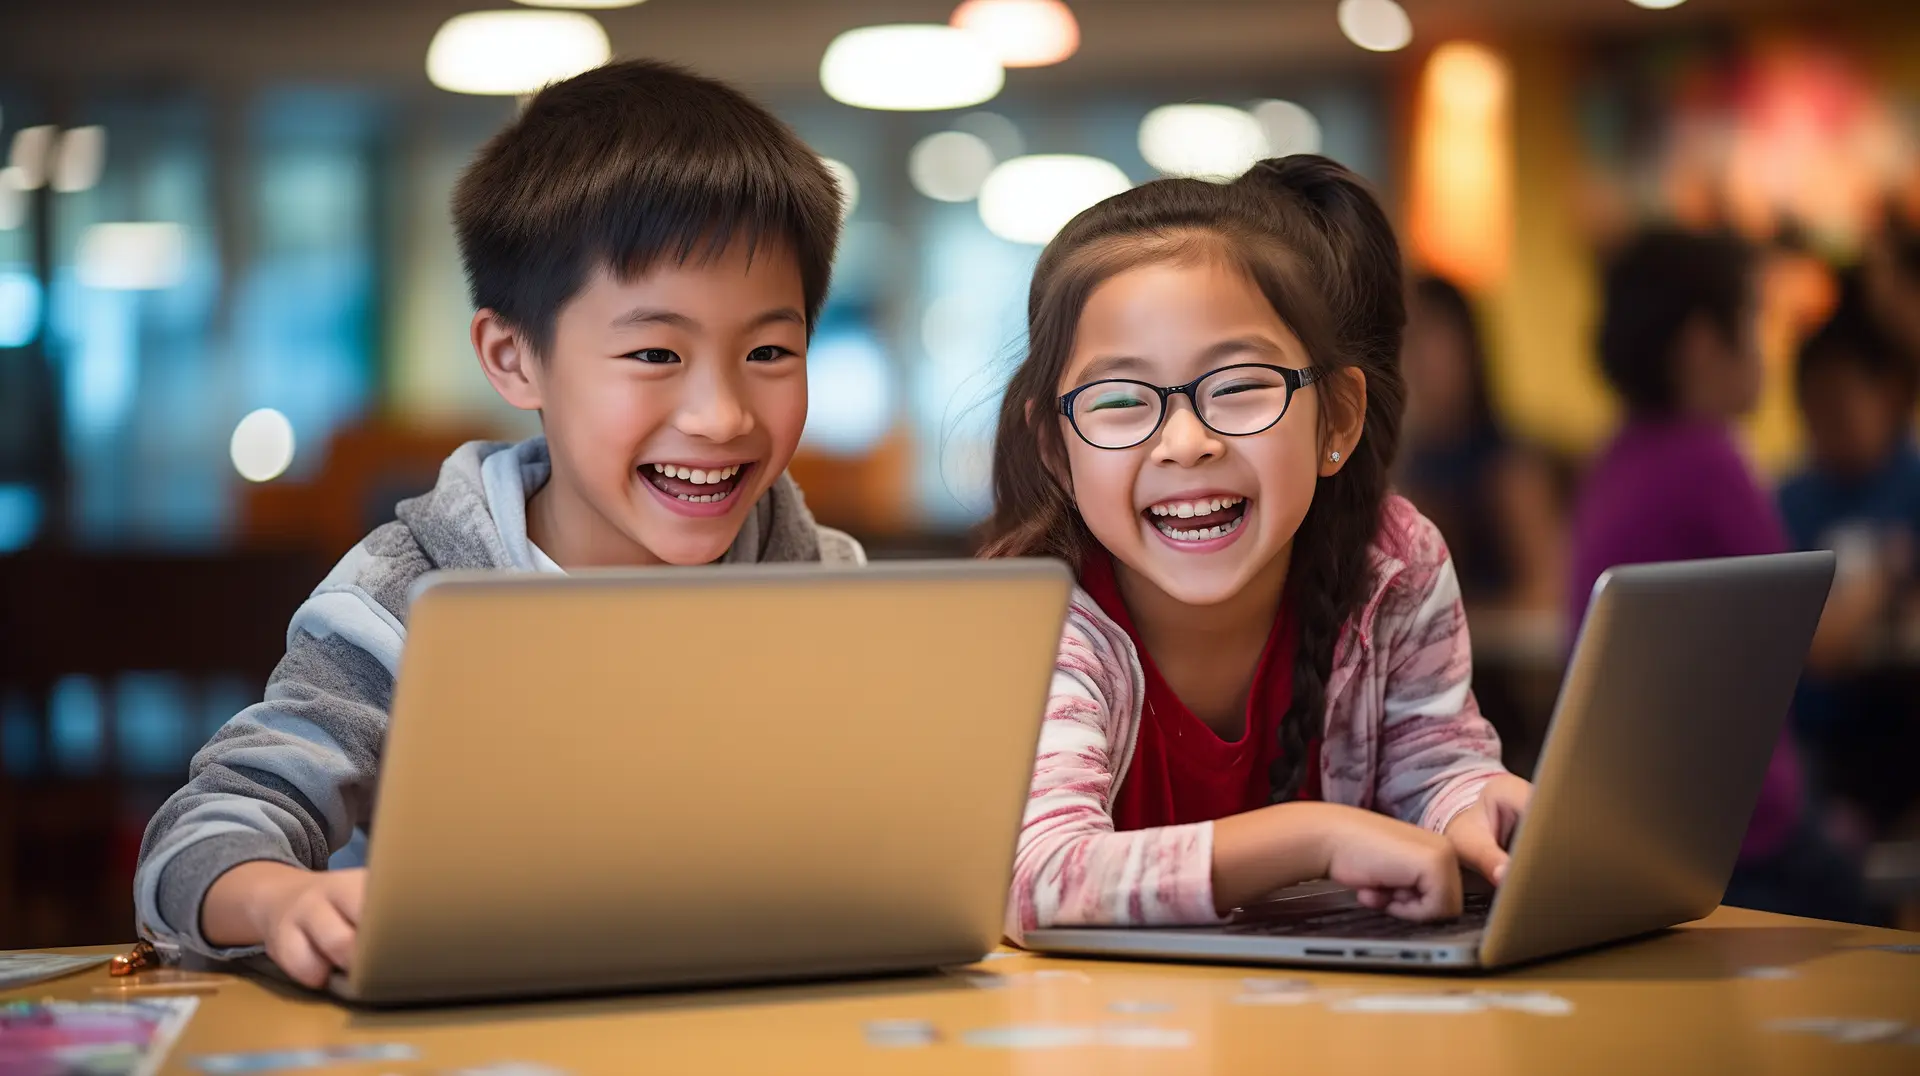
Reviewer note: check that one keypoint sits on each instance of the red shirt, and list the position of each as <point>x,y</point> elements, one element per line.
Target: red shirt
<point>1182,770</point>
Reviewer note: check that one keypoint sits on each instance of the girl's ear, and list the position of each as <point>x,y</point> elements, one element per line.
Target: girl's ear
<point>1343,418</point>
<point>1050,456</point>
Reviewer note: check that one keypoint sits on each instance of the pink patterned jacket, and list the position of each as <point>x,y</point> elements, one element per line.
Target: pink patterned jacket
<point>1403,737</point>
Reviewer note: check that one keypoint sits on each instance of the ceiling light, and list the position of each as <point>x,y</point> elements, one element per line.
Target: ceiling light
<point>262,445</point>
<point>1022,33</point>
<point>79,158</point>
<point>514,52</point>
<point>1289,128</point>
<point>596,4</point>
<point>848,182</point>
<point>1375,25</point>
<point>1656,5</point>
<point>32,146</point>
<point>1028,199</point>
<point>1209,141</point>
<point>132,257</point>
<point>950,166</point>
<point>910,68</point>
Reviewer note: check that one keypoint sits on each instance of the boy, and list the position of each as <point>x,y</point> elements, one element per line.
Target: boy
<point>1859,496</point>
<point>648,252</point>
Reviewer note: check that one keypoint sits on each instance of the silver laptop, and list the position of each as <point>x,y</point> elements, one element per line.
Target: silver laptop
<point>1675,697</point>
<point>704,775</point>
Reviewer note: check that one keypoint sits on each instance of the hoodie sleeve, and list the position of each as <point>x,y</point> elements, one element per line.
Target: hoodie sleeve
<point>1436,750</point>
<point>1070,867</point>
<point>287,779</point>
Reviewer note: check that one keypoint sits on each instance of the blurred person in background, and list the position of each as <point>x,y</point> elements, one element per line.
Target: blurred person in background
<point>1678,342</point>
<point>1493,499</point>
<point>1859,496</point>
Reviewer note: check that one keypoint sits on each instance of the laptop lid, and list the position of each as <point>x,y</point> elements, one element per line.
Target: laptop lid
<point>1673,703</point>
<point>704,775</point>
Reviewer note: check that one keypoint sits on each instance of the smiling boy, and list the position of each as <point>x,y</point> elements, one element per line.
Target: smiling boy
<point>648,252</point>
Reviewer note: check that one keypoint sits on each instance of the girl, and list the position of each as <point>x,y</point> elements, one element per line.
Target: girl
<point>1266,648</point>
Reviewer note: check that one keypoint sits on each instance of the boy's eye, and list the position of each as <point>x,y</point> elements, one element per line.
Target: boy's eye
<point>653,355</point>
<point>767,353</point>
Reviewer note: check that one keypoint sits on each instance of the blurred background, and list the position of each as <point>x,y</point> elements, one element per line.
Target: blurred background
<point>233,328</point>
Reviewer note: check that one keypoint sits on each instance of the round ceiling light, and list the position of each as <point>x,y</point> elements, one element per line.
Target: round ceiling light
<point>1375,25</point>
<point>950,166</point>
<point>848,182</point>
<point>262,445</point>
<point>910,68</point>
<point>1206,141</point>
<point>1289,128</point>
<point>514,52</point>
<point>1028,199</point>
<point>1022,33</point>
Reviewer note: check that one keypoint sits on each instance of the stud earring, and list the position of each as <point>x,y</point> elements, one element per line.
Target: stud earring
<point>1334,456</point>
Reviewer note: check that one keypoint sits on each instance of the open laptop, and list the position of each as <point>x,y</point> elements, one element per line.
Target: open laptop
<point>658,778</point>
<point>1672,704</point>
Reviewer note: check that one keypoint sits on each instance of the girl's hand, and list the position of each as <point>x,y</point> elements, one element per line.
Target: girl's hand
<point>1403,870</point>
<point>1480,834</point>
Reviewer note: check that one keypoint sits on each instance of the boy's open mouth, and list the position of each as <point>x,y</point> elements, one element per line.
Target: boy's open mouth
<point>695,485</point>
<point>1199,520</point>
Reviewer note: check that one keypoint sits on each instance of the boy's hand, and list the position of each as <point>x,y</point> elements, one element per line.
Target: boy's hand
<point>1392,866</point>
<point>1480,834</point>
<point>307,919</point>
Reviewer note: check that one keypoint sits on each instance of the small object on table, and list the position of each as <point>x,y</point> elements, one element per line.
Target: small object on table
<point>141,957</point>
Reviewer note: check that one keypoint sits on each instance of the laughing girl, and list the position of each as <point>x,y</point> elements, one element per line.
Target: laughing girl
<point>1264,674</point>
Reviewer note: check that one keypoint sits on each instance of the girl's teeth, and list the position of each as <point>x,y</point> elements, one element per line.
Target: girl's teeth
<point>1202,534</point>
<point>1189,509</point>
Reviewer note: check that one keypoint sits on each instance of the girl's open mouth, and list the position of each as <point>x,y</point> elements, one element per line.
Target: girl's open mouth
<point>695,485</point>
<point>1204,520</point>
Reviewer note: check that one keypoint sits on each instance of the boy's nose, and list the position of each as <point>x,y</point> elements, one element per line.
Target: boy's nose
<point>713,409</point>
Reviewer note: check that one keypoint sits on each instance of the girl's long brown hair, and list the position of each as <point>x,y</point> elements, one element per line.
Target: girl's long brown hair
<point>1310,234</point>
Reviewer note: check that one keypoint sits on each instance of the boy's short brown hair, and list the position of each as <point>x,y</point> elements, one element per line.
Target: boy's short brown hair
<point>626,165</point>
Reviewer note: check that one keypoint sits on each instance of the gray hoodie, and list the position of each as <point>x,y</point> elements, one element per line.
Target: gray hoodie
<point>291,779</point>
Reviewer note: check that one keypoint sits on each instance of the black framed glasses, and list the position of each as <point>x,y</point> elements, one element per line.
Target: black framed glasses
<point>1233,401</point>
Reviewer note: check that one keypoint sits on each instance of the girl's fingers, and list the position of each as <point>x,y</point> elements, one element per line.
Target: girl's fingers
<point>332,936</point>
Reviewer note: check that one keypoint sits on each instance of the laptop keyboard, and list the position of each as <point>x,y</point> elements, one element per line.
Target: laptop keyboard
<point>1365,923</point>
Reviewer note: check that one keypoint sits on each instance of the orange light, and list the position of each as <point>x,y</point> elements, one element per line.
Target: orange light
<point>1022,33</point>
<point>1461,199</point>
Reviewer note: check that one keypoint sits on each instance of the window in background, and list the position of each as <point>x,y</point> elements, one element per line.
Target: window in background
<point>134,296</point>
<point>305,318</point>
<point>221,262</point>
<point>25,438</point>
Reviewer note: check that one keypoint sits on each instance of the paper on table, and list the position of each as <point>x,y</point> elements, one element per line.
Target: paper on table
<point>101,1038</point>
<point>20,969</point>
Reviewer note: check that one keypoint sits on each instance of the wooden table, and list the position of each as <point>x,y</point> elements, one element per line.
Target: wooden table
<point>1683,1002</point>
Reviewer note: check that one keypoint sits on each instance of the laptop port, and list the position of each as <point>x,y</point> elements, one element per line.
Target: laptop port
<point>1326,952</point>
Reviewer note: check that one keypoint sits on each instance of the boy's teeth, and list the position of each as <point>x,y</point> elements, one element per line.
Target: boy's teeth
<point>695,474</point>
<point>1189,509</point>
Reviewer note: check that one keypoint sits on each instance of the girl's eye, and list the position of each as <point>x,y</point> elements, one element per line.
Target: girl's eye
<point>653,356</point>
<point>1115,400</point>
<point>768,353</point>
<point>1242,386</point>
